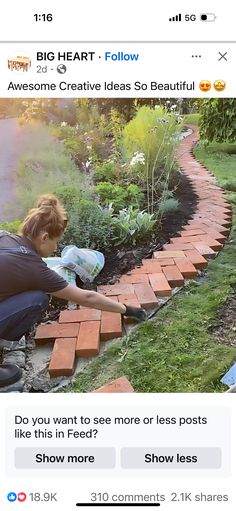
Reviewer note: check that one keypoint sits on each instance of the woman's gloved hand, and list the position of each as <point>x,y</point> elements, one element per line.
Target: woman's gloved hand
<point>135,313</point>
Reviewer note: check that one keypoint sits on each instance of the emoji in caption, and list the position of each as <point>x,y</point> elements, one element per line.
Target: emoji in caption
<point>205,85</point>
<point>219,85</point>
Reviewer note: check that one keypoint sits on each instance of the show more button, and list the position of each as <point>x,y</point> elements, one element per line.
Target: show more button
<point>54,458</point>
<point>171,458</point>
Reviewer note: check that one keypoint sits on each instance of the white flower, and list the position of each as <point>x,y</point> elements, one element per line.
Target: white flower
<point>137,158</point>
<point>173,107</point>
<point>157,106</point>
<point>89,147</point>
<point>63,124</point>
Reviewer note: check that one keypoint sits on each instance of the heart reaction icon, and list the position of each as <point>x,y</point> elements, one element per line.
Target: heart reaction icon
<point>21,497</point>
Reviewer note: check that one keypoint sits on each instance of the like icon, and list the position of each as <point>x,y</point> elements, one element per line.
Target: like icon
<point>21,497</point>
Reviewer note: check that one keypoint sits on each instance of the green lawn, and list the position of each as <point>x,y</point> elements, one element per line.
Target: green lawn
<point>175,352</point>
<point>192,118</point>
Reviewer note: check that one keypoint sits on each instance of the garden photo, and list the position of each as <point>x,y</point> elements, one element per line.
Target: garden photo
<point>117,245</point>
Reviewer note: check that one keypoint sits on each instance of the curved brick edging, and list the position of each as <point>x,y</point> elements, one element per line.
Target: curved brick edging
<point>79,332</point>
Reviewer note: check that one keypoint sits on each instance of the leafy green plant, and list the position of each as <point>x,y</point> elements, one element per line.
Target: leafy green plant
<point>89,226</point>
<point>78,150</point>
<point>132,225</point>
<point>135,195</point>
<point>218,120</point>
<point>119,196</point>
<point>109,193</point>
<point>168,206</point>
<point>12,227</point>
<point>104,172</point>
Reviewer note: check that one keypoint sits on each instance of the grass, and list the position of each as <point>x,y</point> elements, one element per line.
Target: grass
<point>191,119</point>
<point>175,352</point>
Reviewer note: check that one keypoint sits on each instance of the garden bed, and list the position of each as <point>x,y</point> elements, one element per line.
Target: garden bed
<point>122,259</point>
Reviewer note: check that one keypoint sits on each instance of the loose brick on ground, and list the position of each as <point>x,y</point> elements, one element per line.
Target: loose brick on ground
<point>160,284</point>
<point>88,340</point>
<point>56,330</point>
<point>63,358</point>
<point>121,385</point>
<point>145,295</point>
<point>76,316</point>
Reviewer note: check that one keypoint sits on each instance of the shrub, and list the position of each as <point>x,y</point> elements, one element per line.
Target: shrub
<point>44,167</point>
<point>167,206</point>
<point>132,225</point>
<point>104,172</point>
<point>218,120</point>
<point>12,227</point>
<point>135,195</point>
<point>109,193</point>
<point>153,134</point>
<point>78,150</point>
<point>119,196</point>
<point>89,226</point>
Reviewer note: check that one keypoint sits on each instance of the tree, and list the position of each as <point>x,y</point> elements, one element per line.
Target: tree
<point>218,120</point>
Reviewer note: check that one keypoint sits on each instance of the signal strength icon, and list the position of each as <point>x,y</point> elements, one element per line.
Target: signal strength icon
<point>178,17</point>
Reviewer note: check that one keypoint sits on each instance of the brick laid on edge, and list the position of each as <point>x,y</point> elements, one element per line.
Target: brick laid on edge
<point>160,284</point>
<point>187,268</point>
<point>174,276</point>
<point>197,259</point>
<point>145,295</point>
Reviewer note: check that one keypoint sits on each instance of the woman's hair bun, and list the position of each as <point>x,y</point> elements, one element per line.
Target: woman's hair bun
<point>47,200</point>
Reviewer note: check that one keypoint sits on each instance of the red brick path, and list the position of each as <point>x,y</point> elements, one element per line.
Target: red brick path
<point>78,333</point>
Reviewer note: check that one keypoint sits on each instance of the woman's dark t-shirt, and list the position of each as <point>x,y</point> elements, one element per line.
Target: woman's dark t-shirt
<point>21,272</point>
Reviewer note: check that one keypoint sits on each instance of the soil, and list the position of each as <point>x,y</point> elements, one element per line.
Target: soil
<point>223,327</point>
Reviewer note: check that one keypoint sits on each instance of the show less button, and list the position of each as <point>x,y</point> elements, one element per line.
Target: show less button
<point>171,458</point>
<point>91,458</point>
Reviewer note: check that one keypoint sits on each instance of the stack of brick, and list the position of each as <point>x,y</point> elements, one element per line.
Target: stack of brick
<point>79,332</point>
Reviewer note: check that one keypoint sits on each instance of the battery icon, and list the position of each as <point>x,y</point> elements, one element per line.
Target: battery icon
<point>208,16</point>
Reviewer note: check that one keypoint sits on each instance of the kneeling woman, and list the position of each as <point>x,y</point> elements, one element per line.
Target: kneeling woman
<point>26,281</point>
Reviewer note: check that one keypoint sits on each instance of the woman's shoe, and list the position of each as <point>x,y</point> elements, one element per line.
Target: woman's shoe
<point>9,373</point>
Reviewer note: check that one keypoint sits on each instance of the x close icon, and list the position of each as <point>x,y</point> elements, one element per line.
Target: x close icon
<point>222,56</point>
